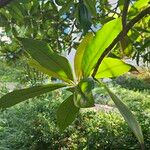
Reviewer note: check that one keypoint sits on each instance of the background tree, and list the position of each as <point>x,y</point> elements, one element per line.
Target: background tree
<point>60,23</point>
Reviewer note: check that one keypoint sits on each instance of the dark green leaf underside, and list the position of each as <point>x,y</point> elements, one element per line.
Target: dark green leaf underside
<point>18,96</point>
<point>57,65</point>
<point>128,116</point>
<point>66,113</point>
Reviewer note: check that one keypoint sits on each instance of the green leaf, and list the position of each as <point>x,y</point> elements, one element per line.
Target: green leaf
<point>84,17</point>
<point>66,113</point>
<point>18,96</point>
<point>65,8</point>
<point>37,66</point>
<point>90,4</point>
<point>79,54</point>
<point>112,67</point>
<point>99,43</point>
<point>83,97</point>
<point>16,11</point>
<point>86,84</point>
<point>121,4</point>
<point>136,7</point>
<point>57,65</point>
<point>126,46</point>
<point>128,116</point>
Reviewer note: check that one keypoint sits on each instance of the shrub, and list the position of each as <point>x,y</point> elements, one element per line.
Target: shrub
<point>32,125</point>
<point>133,83</point>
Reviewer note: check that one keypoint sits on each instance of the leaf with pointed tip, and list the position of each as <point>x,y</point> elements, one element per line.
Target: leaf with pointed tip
<point>84,17</point>
<point>57,65</point>
<point>112,67</point>
<point>18,96</point>
<point>37,66</point>
<point>99,43</point>
<point>66,113</point>
<point>128,116</point>
<point>79,54</point>
<point>121,4</point>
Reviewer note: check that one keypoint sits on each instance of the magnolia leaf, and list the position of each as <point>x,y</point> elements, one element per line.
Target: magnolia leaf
<point>79,54</point>
<point>18,96</point>
<point>90,4</point>
<point>84,17</point>
<point>83,100</point>
<point>37,66</point>
<point>112,67</point>
<point>126,46</point>
<point>99,43</point>
<point>15,9</point>
<point>83,97</point>
<point>42,53</point>
<point>128,116</point>
<point>121,4</point>
<point>66,113</point>
<point>65,8</point>
<point>136,7</point>
<point>86,84</point>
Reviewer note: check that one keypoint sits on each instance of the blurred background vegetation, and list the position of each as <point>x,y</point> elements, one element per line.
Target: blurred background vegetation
<point>32,124</point>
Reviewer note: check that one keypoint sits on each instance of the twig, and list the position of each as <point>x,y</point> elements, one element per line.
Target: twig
<point>122,33</point>
<point>124,22</point>
<point>124,13</point>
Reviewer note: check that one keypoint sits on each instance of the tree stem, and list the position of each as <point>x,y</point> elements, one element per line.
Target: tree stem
<point>124,13</point>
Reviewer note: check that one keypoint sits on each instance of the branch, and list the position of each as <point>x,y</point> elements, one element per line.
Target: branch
<point>4,2</point>
<point>122,33</point>
<point>124,13</point>
<point>124,22</point>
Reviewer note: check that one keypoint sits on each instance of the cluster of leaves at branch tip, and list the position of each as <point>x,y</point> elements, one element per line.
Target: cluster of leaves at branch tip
<point>84,17</point>
<point>87,55</point>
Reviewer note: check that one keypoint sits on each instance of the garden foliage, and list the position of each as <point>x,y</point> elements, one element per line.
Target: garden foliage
<point>92,61</point>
